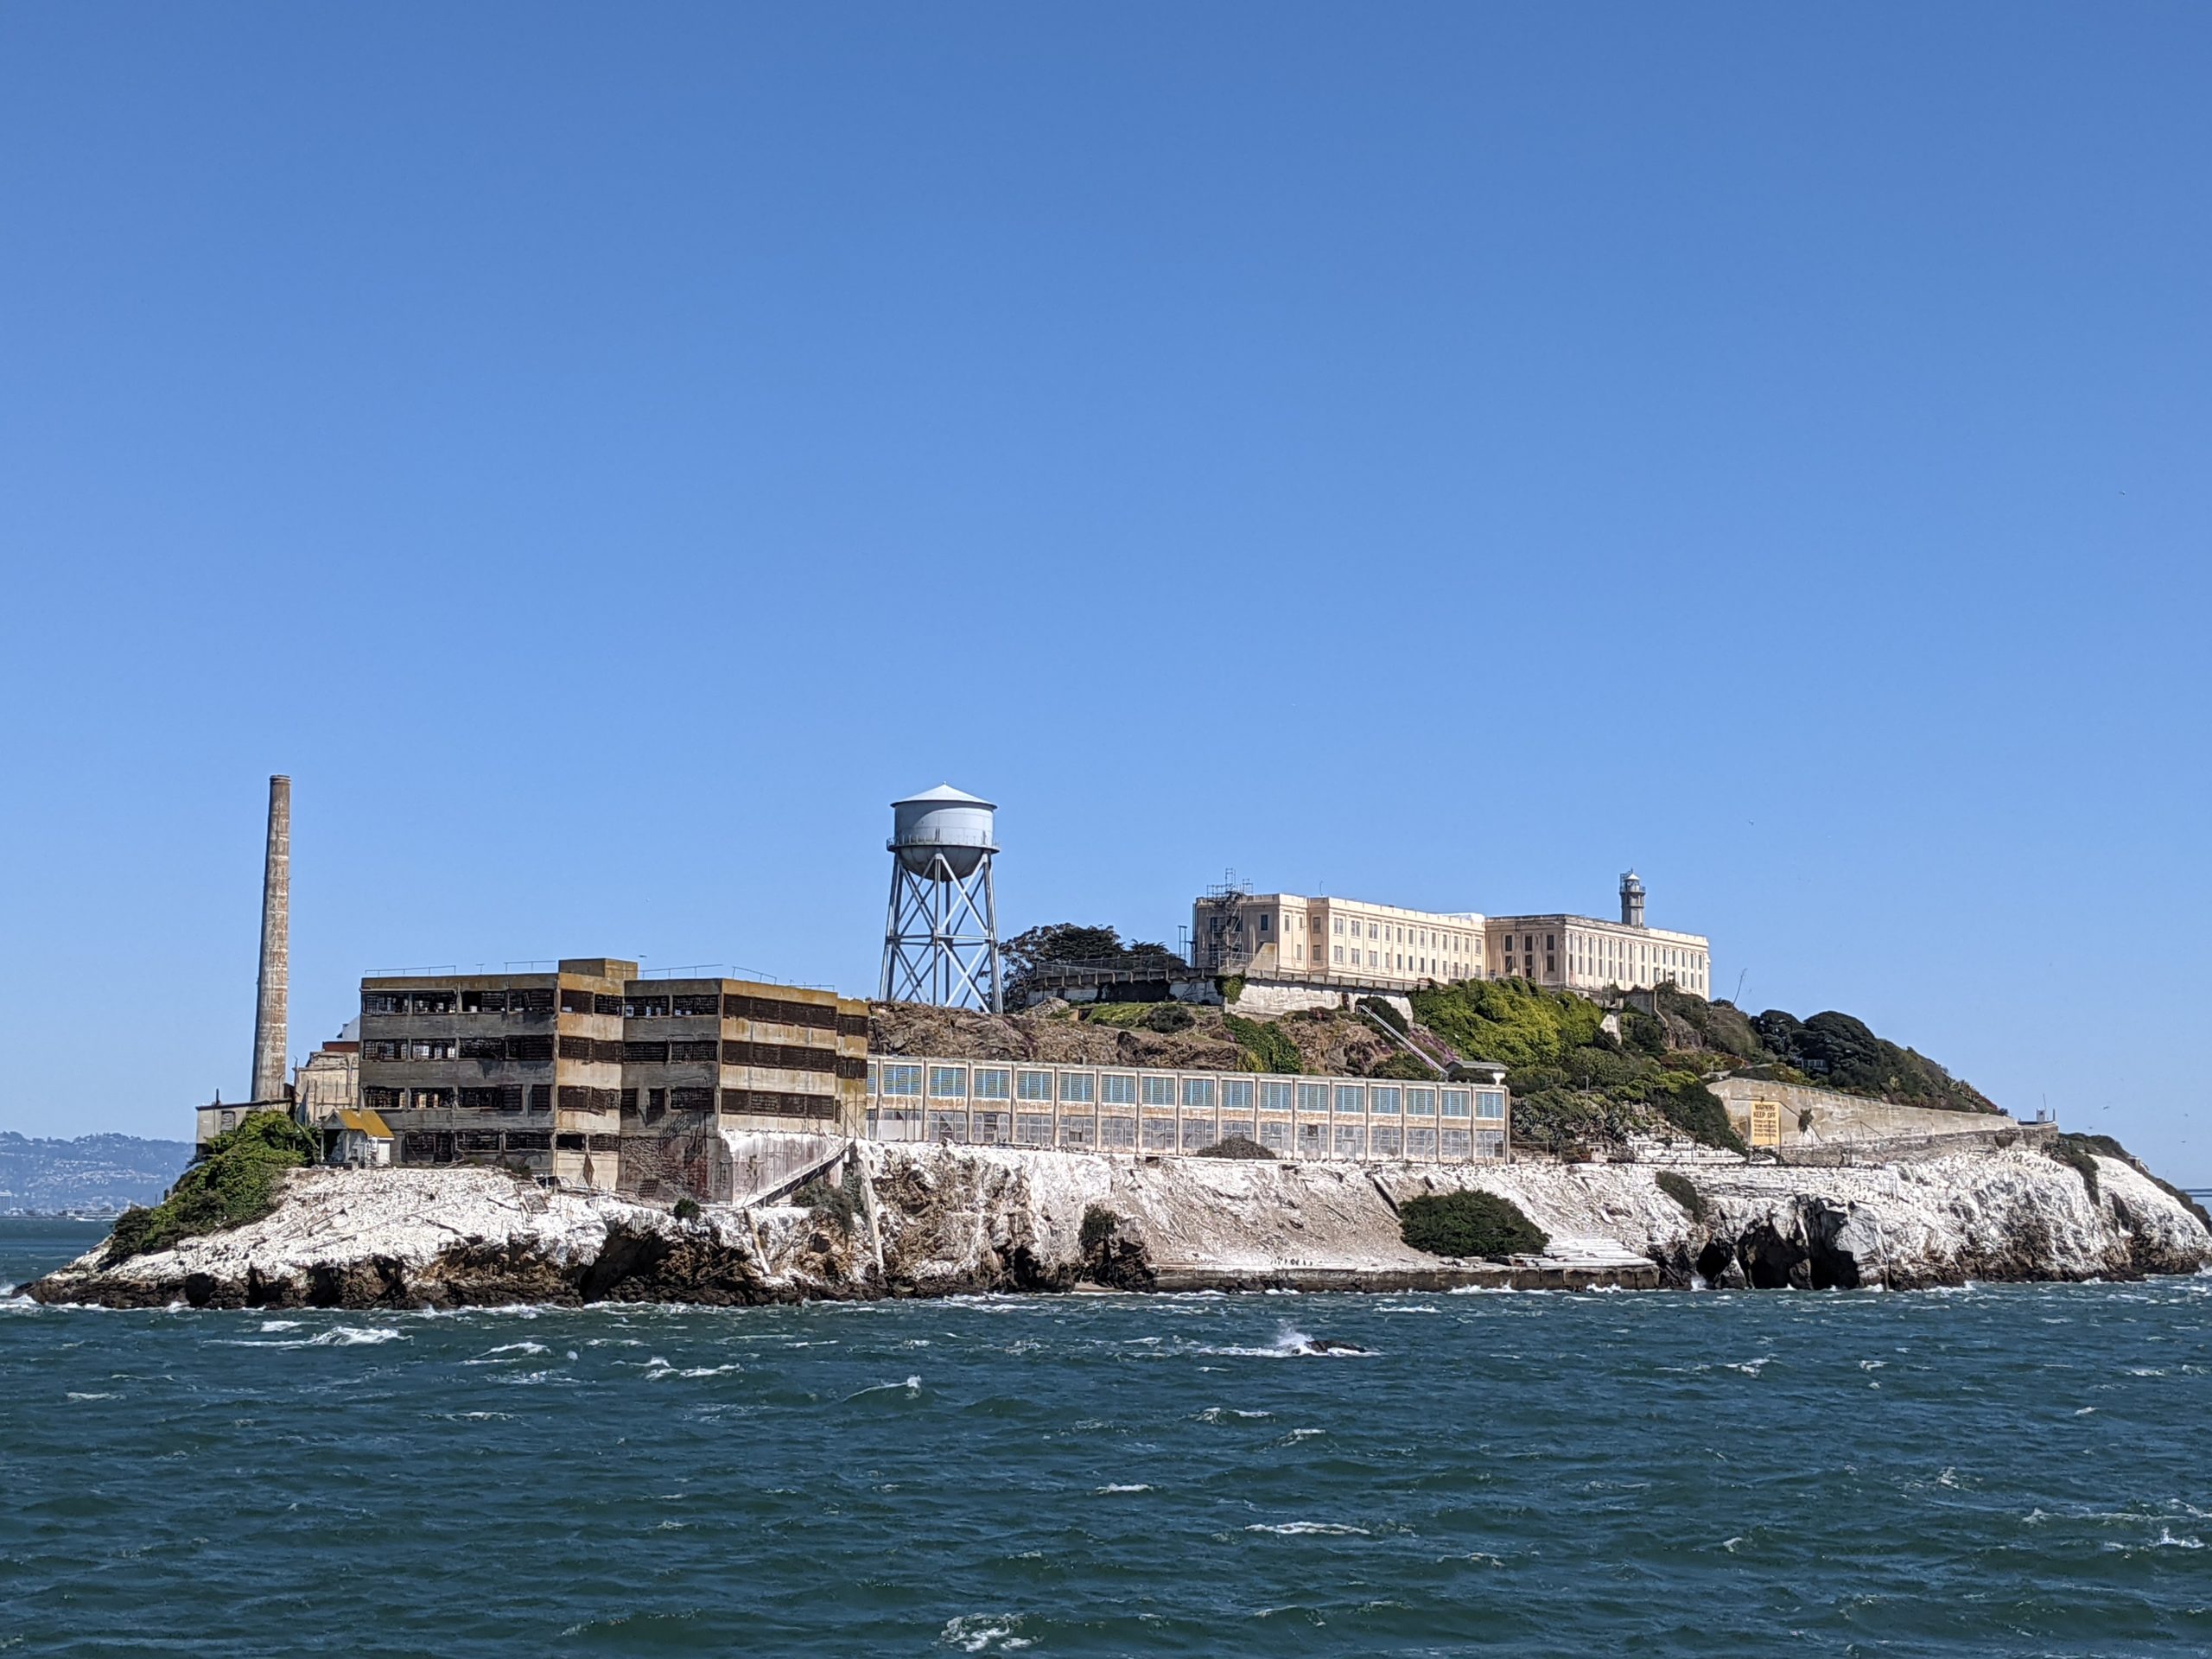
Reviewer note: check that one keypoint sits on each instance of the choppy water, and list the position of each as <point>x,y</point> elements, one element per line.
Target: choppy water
<point>2002,1471</point>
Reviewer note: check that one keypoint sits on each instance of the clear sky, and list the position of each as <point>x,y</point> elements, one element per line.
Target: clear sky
<point>1439,454</point>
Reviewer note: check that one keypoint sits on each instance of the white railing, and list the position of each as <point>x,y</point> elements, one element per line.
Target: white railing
<point>1144,1111</point>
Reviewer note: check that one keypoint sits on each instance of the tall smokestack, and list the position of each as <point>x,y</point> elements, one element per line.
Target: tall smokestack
<point>270,1049</point>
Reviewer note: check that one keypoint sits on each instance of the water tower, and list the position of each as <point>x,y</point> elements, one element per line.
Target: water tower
<point>942,943</point>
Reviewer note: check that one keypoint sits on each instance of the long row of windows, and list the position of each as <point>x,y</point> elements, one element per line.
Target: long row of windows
<point>768,1010</point>
<point>544,1097</point>
<point>897,1082</point>
<point>1119,1132</point>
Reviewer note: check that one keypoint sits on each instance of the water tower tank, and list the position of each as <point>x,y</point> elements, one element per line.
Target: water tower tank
<point>942,820</point>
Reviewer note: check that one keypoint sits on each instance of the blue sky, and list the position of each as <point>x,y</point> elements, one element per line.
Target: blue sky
<point>1437,454</point>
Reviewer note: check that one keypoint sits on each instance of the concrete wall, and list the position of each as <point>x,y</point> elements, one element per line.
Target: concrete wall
<point>1275,996</point>
<point>1830,1119</point>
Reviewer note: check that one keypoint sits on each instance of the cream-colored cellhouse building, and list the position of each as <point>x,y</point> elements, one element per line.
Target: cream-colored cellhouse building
<point>1283,934</point>
<point>1580,953</point>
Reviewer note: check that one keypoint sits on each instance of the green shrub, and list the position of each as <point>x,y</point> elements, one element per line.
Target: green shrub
<point>1405,1066</point>
<point>839,1205</point>
<point>1469,1223</point>
<point>1685,1102</point>
<point>1235,1146</point>
<point>1386,1012</point>
<point>235,1183</point>
<point>1125,1016</point>
<point>1232,989</point>
<point>686,1209</point>
<point>1265,1044</point>
<point>1169,1017</point>
<point>1679,1187</point>
<point>1507,1020</point>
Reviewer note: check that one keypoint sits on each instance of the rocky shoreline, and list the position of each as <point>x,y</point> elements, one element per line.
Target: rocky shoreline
<point>936,1221</point>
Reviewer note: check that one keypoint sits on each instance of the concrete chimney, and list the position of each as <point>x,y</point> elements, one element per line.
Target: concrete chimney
<point>271,1039</point>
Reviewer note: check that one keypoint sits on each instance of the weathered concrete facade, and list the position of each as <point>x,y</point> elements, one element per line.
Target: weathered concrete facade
<point>593,1075</point>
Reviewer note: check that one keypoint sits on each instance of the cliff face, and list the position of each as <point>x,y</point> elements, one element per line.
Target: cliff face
<point>936,1221</point>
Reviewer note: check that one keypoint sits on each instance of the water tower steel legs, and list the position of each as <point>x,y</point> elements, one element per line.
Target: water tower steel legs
<point>941,942</point>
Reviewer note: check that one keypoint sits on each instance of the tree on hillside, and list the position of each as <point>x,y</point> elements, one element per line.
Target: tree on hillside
<point>1075,942</point>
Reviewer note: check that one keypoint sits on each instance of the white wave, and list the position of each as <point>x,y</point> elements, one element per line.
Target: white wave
<point>1216,1413</point>
<point>1323,1528</point>
<point>982,1633</point>
<point>710,1370</point>
<point>1101,1491</point>
<point>355,1335</point>
<point>280,1325</point>
<point>1752,1368</point>
<point>342,1335</point>
<point>520,1347</point>
<point>1293,1344</point>
<point>94,1396</point>
<point>2165,1540</point>
<point>911,1385</point>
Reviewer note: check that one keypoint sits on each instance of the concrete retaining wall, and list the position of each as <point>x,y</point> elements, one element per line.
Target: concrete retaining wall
<point>1830,1119</point>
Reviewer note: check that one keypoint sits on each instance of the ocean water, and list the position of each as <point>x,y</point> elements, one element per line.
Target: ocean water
<point>2010,1470</point>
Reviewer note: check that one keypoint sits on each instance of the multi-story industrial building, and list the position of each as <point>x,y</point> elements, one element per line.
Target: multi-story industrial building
<point>1281,935</point>
<point>1581,953</point>
<point>592,1074</point>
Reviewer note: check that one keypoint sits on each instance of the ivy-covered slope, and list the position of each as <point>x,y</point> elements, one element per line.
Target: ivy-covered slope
<point>1576,1083</point>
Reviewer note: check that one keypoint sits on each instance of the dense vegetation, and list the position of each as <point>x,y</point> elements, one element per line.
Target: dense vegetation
<point>1469,1223</point>
<point>838,1204</point>
<point>1574,1082</point>
<point>1838,1051</point>
<point>1071,943</point>
<point>234,1184</point>
<point>1267,1048</point>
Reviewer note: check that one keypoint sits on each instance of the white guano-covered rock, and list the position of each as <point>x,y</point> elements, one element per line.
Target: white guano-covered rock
<point>918,1220</point>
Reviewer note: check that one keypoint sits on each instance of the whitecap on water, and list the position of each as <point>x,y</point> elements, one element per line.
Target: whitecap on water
<point>1101,1491</point>
<point>984,1633</point>
<point>1324,1529</point>
<point>911,1385</point>
<point>93,1396</point>
<point>280,1325</point>
<point>340,1335</point>
<point>508,1353</point>
<point>1291,1344</point>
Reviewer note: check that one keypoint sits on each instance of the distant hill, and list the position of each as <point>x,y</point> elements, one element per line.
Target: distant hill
<point>94,1173</point>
